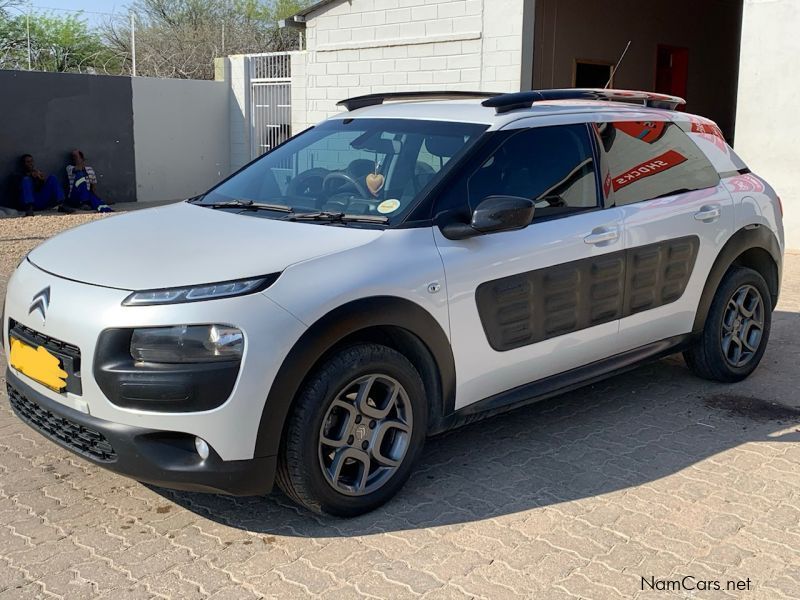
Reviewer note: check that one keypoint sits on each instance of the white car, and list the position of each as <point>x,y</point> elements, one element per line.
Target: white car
<point>396,271</point>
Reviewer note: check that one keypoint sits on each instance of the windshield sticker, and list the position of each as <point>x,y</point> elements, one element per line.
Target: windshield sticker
<point>388,206</point>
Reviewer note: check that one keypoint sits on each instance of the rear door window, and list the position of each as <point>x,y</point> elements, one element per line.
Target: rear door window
<point>644,160</point>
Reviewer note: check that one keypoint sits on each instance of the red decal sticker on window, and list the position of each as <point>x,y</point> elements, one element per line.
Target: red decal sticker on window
<point>647,131</point>
<point>706,128</point>
<point>710,132</point>
<point>659,164</point>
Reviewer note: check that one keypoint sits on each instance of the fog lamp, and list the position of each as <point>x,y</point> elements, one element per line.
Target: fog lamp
<point>202,447</point>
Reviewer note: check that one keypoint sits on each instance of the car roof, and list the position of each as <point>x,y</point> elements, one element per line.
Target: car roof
<point>472,111</point>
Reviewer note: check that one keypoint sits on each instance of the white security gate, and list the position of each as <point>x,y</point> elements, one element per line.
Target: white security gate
<point>270,100</point>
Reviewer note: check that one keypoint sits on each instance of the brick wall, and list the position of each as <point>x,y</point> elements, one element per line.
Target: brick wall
<point>369,46</point>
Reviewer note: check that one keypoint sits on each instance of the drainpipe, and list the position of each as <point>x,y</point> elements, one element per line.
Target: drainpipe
<point>528,33</point>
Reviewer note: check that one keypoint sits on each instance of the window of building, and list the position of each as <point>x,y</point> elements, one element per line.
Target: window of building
<point>592,74</point>
<point>650,159</point>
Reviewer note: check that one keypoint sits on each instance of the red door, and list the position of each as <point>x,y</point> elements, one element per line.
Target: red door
<point>672,71</point>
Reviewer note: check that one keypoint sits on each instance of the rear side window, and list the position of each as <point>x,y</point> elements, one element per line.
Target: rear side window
<point>553,166</point>
<point>711,141</point>
<point>644,160</point>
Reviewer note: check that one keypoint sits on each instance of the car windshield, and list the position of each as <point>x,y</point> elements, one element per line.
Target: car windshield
<point>375,168</point>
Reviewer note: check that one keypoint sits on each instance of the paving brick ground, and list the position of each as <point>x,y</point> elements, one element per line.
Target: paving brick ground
<point>649,474</point>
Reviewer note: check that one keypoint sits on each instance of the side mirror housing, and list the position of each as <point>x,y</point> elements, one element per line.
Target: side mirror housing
<point>493,214</point>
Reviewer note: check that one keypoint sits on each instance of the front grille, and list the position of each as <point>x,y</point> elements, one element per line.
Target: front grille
<point>87,442</point>
<point>69,354</point>
<point>41,339</point>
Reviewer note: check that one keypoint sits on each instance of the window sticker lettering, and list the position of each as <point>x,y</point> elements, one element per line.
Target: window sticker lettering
<point>659,164</point>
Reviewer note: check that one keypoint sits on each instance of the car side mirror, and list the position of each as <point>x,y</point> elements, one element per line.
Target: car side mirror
<point>493,214</point>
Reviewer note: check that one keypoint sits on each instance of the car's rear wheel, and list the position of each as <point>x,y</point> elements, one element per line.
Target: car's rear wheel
<point>354,432</point>
<point>737,328</point>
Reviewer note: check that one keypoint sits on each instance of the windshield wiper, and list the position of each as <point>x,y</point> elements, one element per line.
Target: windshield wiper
<point>250,205</point>
<point>336,217</point>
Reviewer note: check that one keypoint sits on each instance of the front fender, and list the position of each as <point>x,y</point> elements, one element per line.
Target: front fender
<point>335,326</point>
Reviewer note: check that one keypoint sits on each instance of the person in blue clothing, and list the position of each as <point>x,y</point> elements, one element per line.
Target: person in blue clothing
<point>83,185</point>
<point>39,191</point>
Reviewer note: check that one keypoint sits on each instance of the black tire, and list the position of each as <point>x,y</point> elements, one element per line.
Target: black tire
<point>303,471</point>
<point>707,357</point>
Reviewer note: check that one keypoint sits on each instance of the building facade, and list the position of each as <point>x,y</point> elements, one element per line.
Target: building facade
<point>370,46</point>
<point>730,59</point>
<point>356,47</point>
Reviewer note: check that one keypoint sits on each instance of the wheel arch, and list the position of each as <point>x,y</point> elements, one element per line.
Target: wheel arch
<point>753,246</point>
<point>392,321</point>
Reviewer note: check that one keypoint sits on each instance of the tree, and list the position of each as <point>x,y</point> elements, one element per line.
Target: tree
<point>4,4</point>
<point>181,38</point>
<point>57,43</point>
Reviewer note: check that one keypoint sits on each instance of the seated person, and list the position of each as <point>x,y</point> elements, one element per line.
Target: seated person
<point>83,185</point>
<point>39,191</point>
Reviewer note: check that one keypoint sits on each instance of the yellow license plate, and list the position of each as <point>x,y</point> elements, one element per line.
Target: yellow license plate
<point>38,364</point>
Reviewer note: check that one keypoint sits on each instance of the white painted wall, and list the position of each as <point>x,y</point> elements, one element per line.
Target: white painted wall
<point>767,128</point>
<point>181,136</point>
<point>300,80</point>
<point>237,76</point>
<point>366,46</point>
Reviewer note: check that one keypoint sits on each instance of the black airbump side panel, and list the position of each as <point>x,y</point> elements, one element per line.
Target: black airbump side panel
<point>534,306</point>
<point>658,274</point>
<point>538,305</point>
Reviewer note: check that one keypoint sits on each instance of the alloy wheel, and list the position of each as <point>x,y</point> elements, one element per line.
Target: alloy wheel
<point>742,326</point>
<point>365,434</point>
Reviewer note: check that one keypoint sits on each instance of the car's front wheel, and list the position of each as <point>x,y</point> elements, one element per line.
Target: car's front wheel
<point>354,432</point>
<point>737,328</point>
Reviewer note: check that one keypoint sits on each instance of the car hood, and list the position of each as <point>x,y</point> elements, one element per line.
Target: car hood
<point>183,244</point>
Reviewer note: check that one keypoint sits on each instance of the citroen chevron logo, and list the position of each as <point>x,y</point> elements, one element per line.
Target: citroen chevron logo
<point>40,302</point>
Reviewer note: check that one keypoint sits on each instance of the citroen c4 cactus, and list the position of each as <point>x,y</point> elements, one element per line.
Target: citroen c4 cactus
<point>400,269</point>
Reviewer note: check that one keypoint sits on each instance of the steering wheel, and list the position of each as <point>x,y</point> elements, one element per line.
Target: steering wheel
<point>348,180</point>
<point>308,183</point>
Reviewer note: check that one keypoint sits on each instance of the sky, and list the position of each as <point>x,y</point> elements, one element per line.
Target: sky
<point>91,8</point>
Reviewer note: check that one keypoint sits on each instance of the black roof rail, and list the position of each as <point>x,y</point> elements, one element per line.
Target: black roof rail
<point>507,102</point>
<point>375,99</point>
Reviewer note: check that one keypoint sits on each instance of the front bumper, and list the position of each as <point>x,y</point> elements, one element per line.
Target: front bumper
<point>163,458</point>
<point>79,313</point>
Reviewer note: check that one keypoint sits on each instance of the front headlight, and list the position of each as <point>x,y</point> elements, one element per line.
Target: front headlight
<point>187,344</point>
<point>197,293</point>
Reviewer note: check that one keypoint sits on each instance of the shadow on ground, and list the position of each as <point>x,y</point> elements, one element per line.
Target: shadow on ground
<point>624,432</point>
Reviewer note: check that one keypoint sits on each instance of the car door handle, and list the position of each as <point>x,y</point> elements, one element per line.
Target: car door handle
<point>602,235</point>
<point>708,213</point>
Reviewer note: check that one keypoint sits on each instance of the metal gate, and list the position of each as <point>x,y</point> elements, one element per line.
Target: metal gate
<point>270,100</point>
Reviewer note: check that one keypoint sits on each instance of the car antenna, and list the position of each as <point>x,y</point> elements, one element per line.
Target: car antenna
<point>616,67</point>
